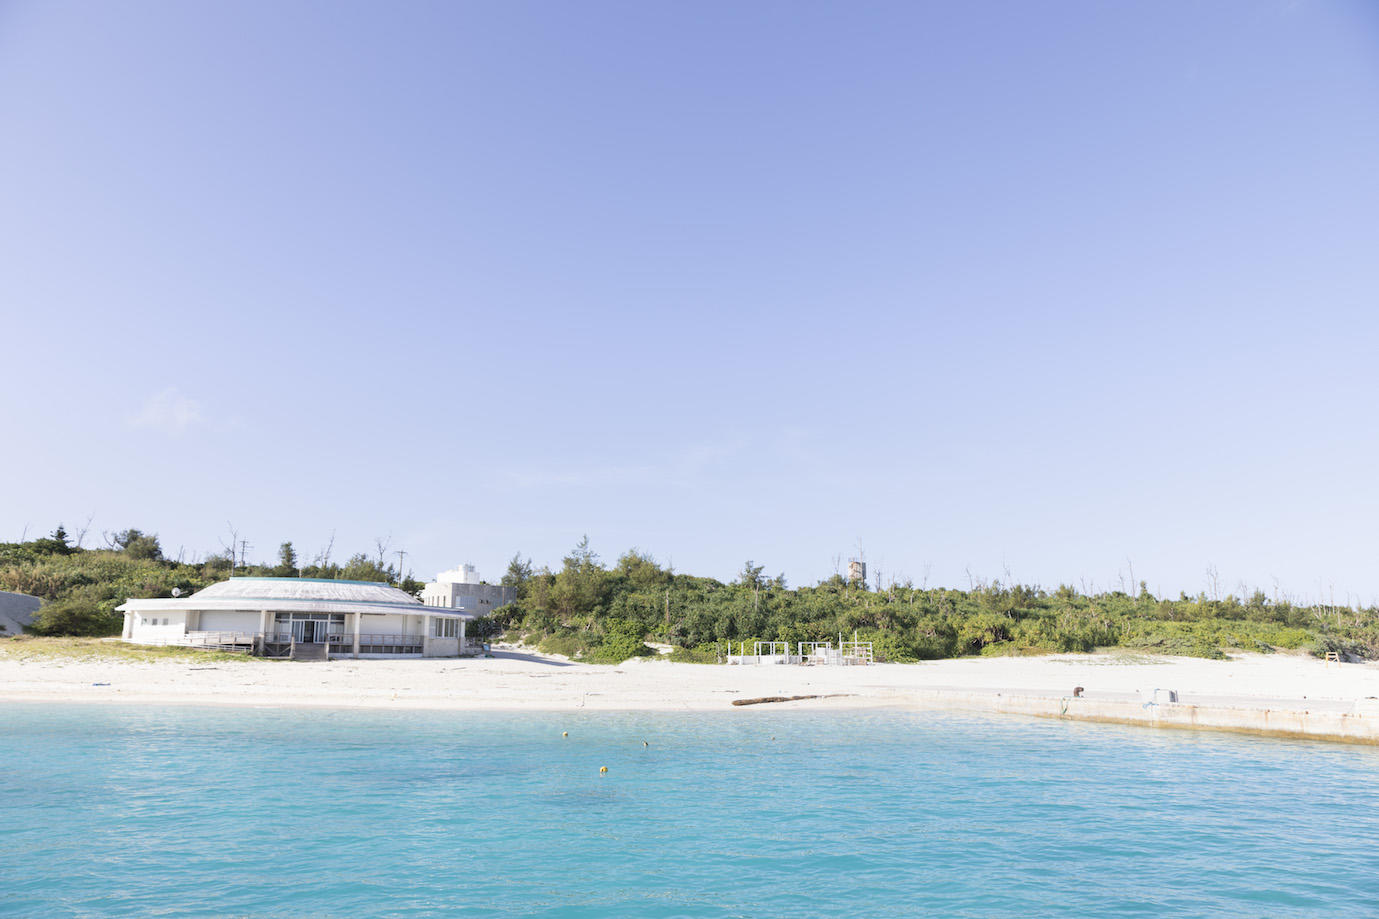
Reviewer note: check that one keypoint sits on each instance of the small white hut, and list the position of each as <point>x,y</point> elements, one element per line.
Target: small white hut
<point>271,615</point>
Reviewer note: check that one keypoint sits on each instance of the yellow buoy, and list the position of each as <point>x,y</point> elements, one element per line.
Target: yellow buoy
<point>645,744</point>
<point>603,769</point>
<point>564,733</point>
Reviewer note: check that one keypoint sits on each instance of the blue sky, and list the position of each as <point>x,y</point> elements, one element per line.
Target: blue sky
<point>1000,290</point>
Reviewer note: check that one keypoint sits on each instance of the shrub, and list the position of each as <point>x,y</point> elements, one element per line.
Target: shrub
<point>621,640</point>
<point>76,617</point>
<point>702,654</point>
<point>568,644</point>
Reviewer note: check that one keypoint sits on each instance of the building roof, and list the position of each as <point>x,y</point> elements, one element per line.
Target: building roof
<point>301,595</point>
<point>16,611</point>
<point>306,589</point>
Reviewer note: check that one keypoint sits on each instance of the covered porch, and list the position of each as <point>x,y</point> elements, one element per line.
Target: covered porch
<point>356,635</point>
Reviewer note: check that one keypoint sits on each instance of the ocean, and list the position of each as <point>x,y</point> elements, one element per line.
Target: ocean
<point>178,811</point>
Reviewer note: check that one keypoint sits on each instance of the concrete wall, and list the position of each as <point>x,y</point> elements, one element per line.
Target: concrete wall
<point>1358,724</point>
<point>442,647</point>
<point>212,620</point>
<point>153,630</point>
<point>385,624</point>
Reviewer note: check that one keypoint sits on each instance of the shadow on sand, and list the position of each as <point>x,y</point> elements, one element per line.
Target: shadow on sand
<point>532,658</point>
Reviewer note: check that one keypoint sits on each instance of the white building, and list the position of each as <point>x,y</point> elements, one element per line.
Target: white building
<point>460,589</point>
<point>321,617</point>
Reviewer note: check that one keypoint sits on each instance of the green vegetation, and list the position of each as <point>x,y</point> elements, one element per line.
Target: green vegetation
<point>597,613</point>
<point>83,586</point>
<point>593,612</point>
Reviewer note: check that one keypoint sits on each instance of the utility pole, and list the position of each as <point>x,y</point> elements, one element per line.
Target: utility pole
<point>230,546</point>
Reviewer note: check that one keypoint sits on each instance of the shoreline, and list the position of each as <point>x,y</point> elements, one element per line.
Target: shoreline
<point>1277,695</point>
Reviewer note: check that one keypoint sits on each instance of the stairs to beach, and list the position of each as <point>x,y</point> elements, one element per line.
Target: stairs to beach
<point>304,651</point>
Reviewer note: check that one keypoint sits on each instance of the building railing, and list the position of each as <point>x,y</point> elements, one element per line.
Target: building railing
<point>202,641</point>
<point>378,644</point>
<point>206,639</point>
<point>343,643</point>
<point>279,644</point>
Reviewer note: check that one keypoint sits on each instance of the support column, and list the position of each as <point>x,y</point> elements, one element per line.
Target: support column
<point>461,638</point>
<point>425,632</point>
<point>357,617</point>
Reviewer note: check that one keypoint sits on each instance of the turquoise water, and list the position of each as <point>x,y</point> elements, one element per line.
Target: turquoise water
<point>216,812</point>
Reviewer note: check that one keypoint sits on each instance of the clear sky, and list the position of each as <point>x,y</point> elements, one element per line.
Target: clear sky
<point>1034,291</point>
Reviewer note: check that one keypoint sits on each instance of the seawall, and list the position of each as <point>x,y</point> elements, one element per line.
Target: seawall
<point>1357,723</point>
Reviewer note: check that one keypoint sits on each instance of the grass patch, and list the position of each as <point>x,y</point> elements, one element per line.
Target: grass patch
<point>36,648</point>
<point>1109,657</point>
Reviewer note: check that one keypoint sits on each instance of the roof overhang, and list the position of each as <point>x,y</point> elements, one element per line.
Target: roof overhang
<point>251,605</point>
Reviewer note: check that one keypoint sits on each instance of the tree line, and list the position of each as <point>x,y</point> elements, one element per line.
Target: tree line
<point>593,611</point>
<point>587,610</point>
<point>83,586</point>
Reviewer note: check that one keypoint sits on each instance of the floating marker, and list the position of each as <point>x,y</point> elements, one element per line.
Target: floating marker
<point>564,733</point>
<point>603,769</point>
<point>645,744</point>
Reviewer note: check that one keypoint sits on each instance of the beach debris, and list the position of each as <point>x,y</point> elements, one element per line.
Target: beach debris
<point>765,699</point>
<point>1077,692</point>
<point>1155,697</point>
<point>100,684</point>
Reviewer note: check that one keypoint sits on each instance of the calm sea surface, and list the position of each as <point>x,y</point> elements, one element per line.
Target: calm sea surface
<point>181,811</point>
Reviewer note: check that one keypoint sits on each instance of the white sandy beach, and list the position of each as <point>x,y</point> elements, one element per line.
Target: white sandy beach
<point>517,680</point>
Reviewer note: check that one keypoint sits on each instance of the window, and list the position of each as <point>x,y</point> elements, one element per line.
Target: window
<point>445,628</point>
<point>323,625</point>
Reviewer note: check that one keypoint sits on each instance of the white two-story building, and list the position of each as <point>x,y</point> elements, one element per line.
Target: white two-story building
<point>461,590</point>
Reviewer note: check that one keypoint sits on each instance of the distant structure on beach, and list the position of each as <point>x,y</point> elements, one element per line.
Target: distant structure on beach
<point>460,589</point>
<point>302,618</point>
<point>857,571</point>
<point>805,652</point>
<point>16,611</point>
